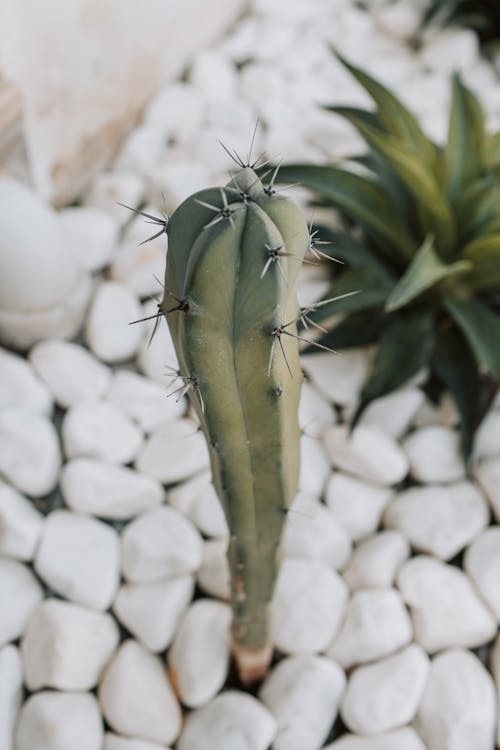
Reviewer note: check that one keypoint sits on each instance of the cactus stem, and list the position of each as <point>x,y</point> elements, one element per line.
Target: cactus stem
<point>274,256</point>
<point>161,222</point>
<point>281,331</point>
<point>313,246</point>
<point>223,214</point>
<point>189,381</point>
<point>276,333</point>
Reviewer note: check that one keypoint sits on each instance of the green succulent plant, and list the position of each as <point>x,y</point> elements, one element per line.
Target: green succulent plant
<point>483,16</point>
<point>419,236</point>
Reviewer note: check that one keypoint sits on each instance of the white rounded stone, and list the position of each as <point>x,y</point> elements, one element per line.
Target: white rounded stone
<point>357,505</point>
<point>143,400</point>
<point>315,412</point>
<point>445,609</point>
<point>177,111</point>
<point>398,739</point>
<point>303,694</point>
<point>495,670</point>
<point>434,455</point>
<point>402,19</point>
<point>439,520</point>
<point>395,412</point>
<point>213,574</point>
<point>197,500</point>
<point>367,453</point>
<point>52,720</point>
<point>308,606</point>
<point>138,264</point>
<point>114,742</point>
<point>11,693</point>
<point>109,332</point>
<point>21,387</point>
<point>452,50</point>
<point>141,150</point>
<point>482,564</point>
<point>20,593</point>
<point>99,430</point>
<point>136,697</point>
<point>487,474</point>
<point>198,672</point>
<point>30,457</point>
<point>376,560</point>
<point>312,531</point>
<point>91,235</point>
<point>66,646</point>
<point>157,358</point>
<point>385,695</point>
<point>79,559</point>
<point>314,466</point>
<point>160,543</point>
<point>487,438</point>
<point>339,378</point>
<point>173,452</point>
<point>109,189</point>
<point>102,489</point>
<point>458,707</point>
<point>152,611</point>
<point>213,76</point>
<point>231,720</point>
<point>176,180</point>
<point>20,524</point>
<point>71,372</point>
<point>444,413</point>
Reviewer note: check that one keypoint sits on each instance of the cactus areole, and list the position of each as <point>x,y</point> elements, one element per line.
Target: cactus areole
<point>230,300</point>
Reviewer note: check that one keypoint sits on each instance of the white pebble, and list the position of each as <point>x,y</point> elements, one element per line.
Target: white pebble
<point>445,609</point>
<point>197,500</point>
<point>102,489</point>
<point>308,606</point>
<point>231,720</point>
<point>452,50</point>
<point>315,412</point>
<point>141,150</point>
<point>442,414</point>
<point>440,520</point>
<point>177,111</point>
<point>66,646</point>
<point>177,180</point>
<point>487,474</point>
<point>376,624</point>
<point>402,19</point>
<point>434,455</point>
<point>137,263</point>
<point>487,438</point>
<point>79,558</point>
<point>482,564</point>
<point>30,457</point>
<point>213,76</point>
<point>303,694</point>
<point>99,430</point>
<point>213,574</point>
<point>91,235</point>
<point>11,693</point>
<point>395,412</point>
<point>114,742</point>
<point>312,531</point>
<point>367,453</point>
<point>495,669</point>
<point>398,739</point>
<point>151,611</point>
<point>108,331</point>
<point>376,560</point>
<point>357,505</point>
<point>458,707</point>
<point>338,377</point>
<point>198,672</point>
<point>136,697</point>
<point>386,694</point>
<point>143,400</point>
<point>314,466</point>
<point>71,372</point>
<point>173,452</point>
<point>20,524</point>
<point>160,543</point>
<point>21,387</point>
<point>108,190</point>
<point>58,721</point>
<point>20,593</point>
<point>157,357</point>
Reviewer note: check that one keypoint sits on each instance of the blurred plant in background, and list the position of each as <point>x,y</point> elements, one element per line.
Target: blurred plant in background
<point>483,16</point>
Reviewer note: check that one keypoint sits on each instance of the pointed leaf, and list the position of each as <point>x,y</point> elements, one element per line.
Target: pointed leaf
<point>463,154</point>
<point>484,253</point>
<point>346,248</point>
<point>357,329</point>
<point>354,114</point>
<point>481,328</point>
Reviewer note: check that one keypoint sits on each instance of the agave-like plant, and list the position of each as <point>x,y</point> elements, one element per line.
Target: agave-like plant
<point>419,236</point>
<point>483,16</point>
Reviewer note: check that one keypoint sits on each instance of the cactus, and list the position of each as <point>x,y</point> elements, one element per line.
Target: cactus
<point>230,299</point>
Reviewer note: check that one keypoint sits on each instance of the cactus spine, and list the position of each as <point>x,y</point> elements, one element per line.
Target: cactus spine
<point>231,304</point>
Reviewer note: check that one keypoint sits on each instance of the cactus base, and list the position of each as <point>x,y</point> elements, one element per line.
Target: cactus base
<point>252,665</point>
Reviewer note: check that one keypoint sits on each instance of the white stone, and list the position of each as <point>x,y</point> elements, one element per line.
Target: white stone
<point>398,739</point>
<point>108,190</point>
<point>66,646</point>
<point>20,524</point>
<point>157,358</point>
<point>487,438</point>
<point>308,606</point>
<point>177,111</point>
<point>231,721</point>
<point>445,609</point>
<point>20,593</point>
<point>176,180</point>
<point>339,376</point>
<point>11,693</point>
<point>198,672</point>
<point>439,520</point>
<point>487,474</point>
<point>402,19</point>
<point>315,412</point>
<point>71,372</point>
<point>143,400</point>
<point>458,707</point>
<point>30,457</point>
<point>197,500</point>
<point>357,505</point>
<point>443,414</point>
<point>213,574</point>
<point>482,564</point>
<point>102,489</point>
<point>160,543</point>
<point>495,669</point>
<point>312,531</point>
<point>385,695</point>
<point>314,466</point>
<point>141,150</point>
<point>138,263</point>
<point>434,455</point>
<point>376,560</point>
<point>367,453</point>
<point>395,412</point>
<point>91,235</point>
<point>114,742</point>
<point>213,76</point>
<point>173,452</point>
<point>303,694</point>
<point>99,430</point>
<point>79,559</point>
<point>152,611</point>
<point>21,387</point>
<point>376,624</point>
<point>52,720</point>
<point>452,50</point>
<point>109,332</point>
<point>136,697</point>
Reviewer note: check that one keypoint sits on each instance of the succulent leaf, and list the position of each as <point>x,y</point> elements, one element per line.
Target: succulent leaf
<point>464,161</point>
<point>481,328</point>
